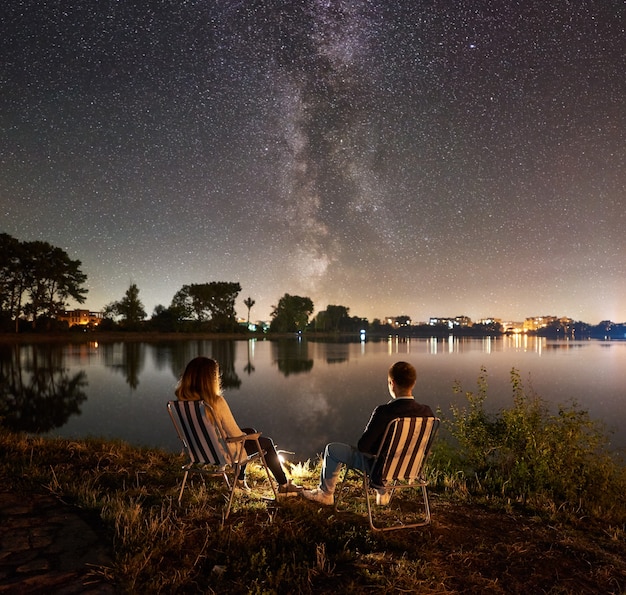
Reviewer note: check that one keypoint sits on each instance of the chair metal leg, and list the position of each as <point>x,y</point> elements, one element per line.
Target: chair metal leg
<point>232,488</point>
<point>367,500</point>
<point>399,526</point>
<point>267,470</point>
<point>426,505</point>
<point>340,487</point>
<point>182,487</point>
<point>238,466</point>
<point>367,488</point>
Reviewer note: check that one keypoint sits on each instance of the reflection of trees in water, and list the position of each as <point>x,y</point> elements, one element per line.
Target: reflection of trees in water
<point>249,368</point>
<point>335,353</point>
<point>126,358</point>
<point>292,356</point>
<point>38,394</point>
<point>162,353</point>
<point>224,353</point>
<point>179,353</point>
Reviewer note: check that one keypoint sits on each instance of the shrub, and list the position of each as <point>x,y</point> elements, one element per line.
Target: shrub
<point>528,454</point>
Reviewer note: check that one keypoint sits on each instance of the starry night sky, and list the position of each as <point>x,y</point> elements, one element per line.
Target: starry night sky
<point>408,157</point>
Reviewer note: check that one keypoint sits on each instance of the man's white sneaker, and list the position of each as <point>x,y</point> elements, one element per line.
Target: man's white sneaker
<point>382,496</point>
<point>320,496</point>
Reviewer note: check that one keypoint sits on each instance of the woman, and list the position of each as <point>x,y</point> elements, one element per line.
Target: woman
<point>201,382</point>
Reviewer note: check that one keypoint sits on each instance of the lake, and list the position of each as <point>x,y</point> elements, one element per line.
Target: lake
<point>302,393</point>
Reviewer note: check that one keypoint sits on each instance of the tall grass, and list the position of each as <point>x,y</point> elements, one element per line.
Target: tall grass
<point>525,453</point>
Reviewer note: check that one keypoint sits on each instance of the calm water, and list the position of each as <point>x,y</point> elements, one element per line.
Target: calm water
<point>301,393</point>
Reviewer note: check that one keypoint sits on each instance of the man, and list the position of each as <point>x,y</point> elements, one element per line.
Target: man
<point>401,378</point>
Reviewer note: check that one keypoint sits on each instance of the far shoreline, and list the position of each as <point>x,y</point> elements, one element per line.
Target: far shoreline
<point>151,336</point>
<point>115,336</point>
<point>69,337</point>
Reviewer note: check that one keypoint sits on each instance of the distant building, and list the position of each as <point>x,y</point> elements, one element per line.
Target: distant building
<point>489,321</point>
<point>81,318</point>
<point>398,321</point>
<point>253,327</point>
<point>537,322</point>
<point>451,322</point>
<point>510,326</point>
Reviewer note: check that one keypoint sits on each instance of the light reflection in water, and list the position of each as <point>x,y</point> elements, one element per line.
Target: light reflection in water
<point>303,393</point>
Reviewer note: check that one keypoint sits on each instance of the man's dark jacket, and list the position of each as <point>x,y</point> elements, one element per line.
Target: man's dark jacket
<point>369,442</point>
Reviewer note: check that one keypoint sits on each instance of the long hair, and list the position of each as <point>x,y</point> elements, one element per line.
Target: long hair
<point>200,381</point>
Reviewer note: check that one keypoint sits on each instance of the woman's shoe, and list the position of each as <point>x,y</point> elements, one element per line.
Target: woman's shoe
<point>242,484</point>
<point>289,489</point>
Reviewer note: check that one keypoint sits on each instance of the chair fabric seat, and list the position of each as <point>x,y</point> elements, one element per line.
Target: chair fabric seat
<point>208,451</point>
<point>399,465</point>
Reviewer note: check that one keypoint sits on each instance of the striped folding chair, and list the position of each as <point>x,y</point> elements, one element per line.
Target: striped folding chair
<point>399,465</point>
<point>207,449</point>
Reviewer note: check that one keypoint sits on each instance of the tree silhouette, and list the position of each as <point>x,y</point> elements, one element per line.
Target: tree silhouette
<point>212,303</point>
<point>129,308</point>
<point>334,318</point>
<point>291,314</point>
<point>249,302</point>
<point>37,279</point>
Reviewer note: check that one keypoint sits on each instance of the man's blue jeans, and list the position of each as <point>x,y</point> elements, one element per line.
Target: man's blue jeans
<point>337,454</point>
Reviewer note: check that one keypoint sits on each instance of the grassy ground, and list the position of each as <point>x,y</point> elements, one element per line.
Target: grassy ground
<point>475,543</point>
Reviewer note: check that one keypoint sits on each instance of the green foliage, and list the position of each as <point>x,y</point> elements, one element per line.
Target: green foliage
<point>291,314</point>
<point>526,453</point>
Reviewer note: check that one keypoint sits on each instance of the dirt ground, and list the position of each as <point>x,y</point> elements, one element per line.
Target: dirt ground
<point>484,551</point>
<point>467,549</point>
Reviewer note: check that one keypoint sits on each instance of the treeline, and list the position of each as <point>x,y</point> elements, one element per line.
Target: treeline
<point>36,282</point>
<point>581,330</point>
<point>210,307</point>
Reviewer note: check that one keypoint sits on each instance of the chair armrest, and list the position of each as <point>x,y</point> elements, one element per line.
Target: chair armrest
<point>243,437</point>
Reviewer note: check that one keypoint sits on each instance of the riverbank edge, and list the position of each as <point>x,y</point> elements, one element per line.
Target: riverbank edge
<point>140,337</point>
<point>154,336</point>
<point>469,546</point>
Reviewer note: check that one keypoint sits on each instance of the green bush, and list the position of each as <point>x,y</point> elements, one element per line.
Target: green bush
<point>528,454</point>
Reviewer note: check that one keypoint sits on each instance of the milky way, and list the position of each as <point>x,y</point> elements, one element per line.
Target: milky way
<point>418,158</point>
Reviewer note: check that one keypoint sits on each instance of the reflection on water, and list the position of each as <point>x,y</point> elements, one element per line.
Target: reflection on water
<point>291,357</point>
<point>303,393</point>
<point>126,359</point>
<point>38,393</point>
